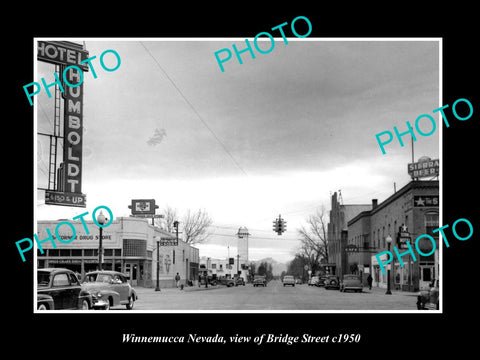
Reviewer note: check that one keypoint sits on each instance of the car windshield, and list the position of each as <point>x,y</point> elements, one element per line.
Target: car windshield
<point>258,277</point>
<point>288,278</point>
<point>350,277</point>
<point>43,278</point>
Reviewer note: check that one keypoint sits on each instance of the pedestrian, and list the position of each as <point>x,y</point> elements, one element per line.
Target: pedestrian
<point>177,279</point>
<point>370,280</point>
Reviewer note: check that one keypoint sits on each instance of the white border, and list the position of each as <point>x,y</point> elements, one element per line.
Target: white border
<point>339,39</point>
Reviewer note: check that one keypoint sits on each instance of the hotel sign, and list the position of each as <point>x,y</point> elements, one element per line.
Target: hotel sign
<point>425,168</point>
<point>62,53</point>
<point>65,198</point>
<point>69,56</point>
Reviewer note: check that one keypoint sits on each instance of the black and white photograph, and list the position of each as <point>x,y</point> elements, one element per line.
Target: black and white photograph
<point>268,177</point>
<point>288,180</point>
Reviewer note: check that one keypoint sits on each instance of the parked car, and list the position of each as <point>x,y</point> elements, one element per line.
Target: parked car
<point>226,281</point>
<point>298,281</point>
<point>332,282</point>
<point>428,299</point>
<point>239,281</point>
<point>313,281</point>
<point>351,282</point>
<point>59,289</point>
<point>288,280</point>
<point>109,288</point>
<point>259,280</point>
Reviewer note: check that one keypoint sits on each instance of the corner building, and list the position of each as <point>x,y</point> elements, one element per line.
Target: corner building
<point>415,206</point>
<point>129,246</point>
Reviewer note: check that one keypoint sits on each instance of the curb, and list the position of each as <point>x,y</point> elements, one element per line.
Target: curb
<point>201,288</point>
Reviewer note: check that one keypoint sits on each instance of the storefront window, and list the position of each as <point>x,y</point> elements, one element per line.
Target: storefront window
<point>431,223</point>
<point>397,274</point>
<point>405,273</point>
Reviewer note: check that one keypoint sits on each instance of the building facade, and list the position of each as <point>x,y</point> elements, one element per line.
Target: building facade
<point>412,211</point>
<point>227,267</point>
<point>337,237</point>
<point>129,246</point>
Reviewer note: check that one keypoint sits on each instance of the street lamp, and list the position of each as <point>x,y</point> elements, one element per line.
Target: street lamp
<point>206,274</point>
<point>389,241</point>
<point>101,219</point>
<point>157,287</point>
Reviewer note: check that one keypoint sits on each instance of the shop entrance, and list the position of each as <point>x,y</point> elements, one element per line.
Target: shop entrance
<point>131,270</point>
<point>427,274</point>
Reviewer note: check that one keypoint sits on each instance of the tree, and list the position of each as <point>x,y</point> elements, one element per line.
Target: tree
<point>313,238</point>
<point>195,226</point>
<point>265,269</point>
<point>296,267</point>
<point>170,215</point>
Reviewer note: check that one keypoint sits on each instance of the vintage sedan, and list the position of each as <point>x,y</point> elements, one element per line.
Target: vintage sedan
<point>332,282</point>
<point>428,299</point>
<point>109,288</point>
<point>59,289</point>
<point>351,282</point>
<point>239,281</point>
<point>228,282</point>
<point>259,280</point>
<point>288,280</point>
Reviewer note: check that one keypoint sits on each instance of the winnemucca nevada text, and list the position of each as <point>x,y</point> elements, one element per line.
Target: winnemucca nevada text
<point>264,338</point>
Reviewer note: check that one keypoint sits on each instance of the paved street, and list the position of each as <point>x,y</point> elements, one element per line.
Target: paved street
<point>273,297</point>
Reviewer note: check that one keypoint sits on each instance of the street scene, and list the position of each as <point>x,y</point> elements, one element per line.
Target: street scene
<point>274,297</point>
<point>306,179</point>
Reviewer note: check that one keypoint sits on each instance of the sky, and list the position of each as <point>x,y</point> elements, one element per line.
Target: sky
<point>277,134</point>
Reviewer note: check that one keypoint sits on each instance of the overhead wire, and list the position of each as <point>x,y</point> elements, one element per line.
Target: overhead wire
<point>224,147</point>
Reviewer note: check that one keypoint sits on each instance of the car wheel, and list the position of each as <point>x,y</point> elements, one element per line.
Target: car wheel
<point>107,306</point>
<point>85,305</point>
<point>130,303</point>
<point>42,307</point>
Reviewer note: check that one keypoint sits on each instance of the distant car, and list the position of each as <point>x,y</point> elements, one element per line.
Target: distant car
<point>288,280</point>
<point>59,289</point>
<point>298,281</point>
<point>351,282</point>
<point>109,288</point>
<point>259,280</point>
<point>226,281</point>
<point>239,281</point>
<point>332,282</point>
<point>428,299</point>
<point>313,281</point>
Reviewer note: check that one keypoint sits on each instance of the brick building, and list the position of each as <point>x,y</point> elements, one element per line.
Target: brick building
<point>416,208</point>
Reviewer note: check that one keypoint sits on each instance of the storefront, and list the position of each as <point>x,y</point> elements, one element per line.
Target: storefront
<point>129,245</point>
<point>404,216</point>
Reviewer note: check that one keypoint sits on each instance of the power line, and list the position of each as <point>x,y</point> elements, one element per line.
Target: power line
<point>194,110</point>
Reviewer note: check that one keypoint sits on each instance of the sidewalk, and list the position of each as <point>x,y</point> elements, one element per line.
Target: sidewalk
<point>145,290</point>
<point>382,291</point>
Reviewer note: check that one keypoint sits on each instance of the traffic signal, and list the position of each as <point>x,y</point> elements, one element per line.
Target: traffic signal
<point>279,225</point>
<point>282,227</point>
<point>276,226</point>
